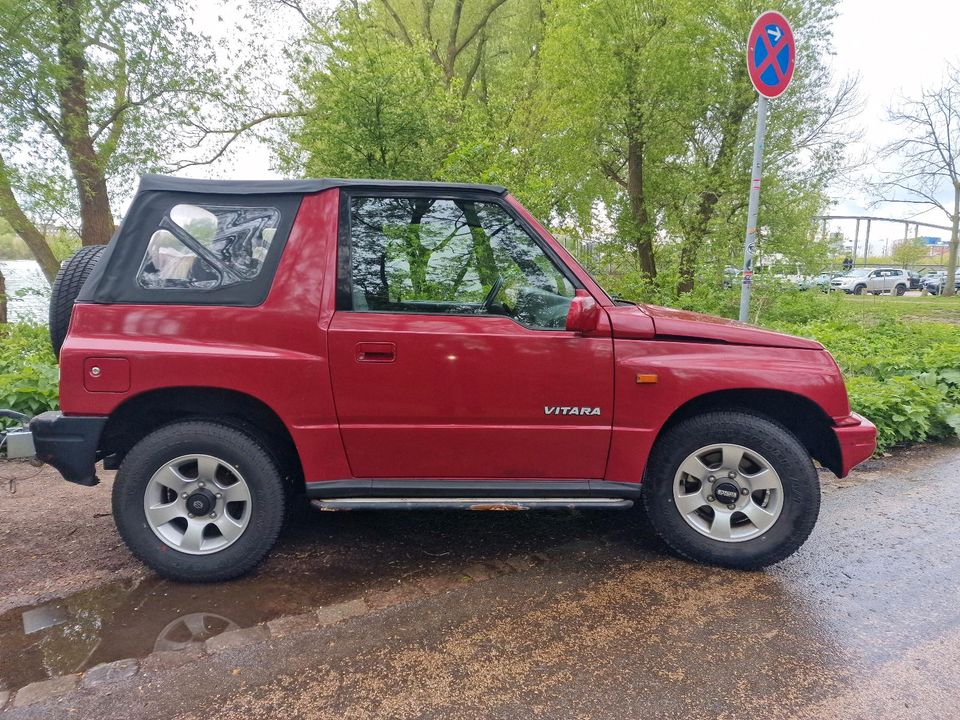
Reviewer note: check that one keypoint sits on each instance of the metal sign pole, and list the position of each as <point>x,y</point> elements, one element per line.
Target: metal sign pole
<point>750,242</point>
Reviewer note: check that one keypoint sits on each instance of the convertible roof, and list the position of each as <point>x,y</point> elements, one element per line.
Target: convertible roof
<point>168,183</point>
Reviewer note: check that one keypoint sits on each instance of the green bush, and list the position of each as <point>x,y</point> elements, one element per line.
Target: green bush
<point>28,370</point>
<point>903,375</point>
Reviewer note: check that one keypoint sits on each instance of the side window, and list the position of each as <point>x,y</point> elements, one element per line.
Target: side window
<point>431,255</point>
<point>202,247</point>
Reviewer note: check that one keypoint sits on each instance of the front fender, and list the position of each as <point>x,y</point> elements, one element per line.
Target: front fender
<point>685,371</point>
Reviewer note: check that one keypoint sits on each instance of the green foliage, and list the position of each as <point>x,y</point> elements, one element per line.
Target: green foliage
<point>903,408</point>
<point>379,109</point>
<point>903,376</point>
<point>29,375</point>
<point>63,243</point>
<point>902,366</point>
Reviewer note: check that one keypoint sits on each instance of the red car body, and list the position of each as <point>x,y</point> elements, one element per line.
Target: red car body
<point>348,388</point>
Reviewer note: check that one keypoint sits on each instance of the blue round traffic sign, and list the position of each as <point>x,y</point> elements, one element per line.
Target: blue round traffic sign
<point>771,54</point>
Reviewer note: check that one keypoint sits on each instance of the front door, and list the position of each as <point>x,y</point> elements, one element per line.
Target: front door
<point>448,351</point>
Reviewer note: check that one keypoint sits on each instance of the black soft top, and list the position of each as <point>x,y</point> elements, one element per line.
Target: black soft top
<point>168,183</point>
<point>114,278</point>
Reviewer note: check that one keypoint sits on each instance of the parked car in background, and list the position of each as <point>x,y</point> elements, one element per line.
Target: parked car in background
<point>931,275</point>
<point>873,280</point>
<point>935,284</point>
<point>915,279</point>
<point>820,282</point>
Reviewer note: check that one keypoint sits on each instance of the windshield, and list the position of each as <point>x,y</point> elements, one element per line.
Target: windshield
<point>859,272</point>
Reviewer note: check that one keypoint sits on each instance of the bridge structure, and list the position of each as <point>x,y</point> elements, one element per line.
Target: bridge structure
<point>868,220</point>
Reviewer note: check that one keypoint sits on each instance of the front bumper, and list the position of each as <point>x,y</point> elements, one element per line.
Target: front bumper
<point>857,439</point>
<point>69,443</point>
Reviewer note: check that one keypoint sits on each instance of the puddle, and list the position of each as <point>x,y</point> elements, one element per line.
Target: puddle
<point>137,617</point>
<point>330,558</point>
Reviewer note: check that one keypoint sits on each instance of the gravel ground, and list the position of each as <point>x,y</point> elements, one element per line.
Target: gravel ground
<point>507,615</point>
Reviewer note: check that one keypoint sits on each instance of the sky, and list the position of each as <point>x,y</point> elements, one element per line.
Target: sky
<point>894,47</point>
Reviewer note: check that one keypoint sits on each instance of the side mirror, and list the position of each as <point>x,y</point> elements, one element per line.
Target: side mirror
<point>584,313</point>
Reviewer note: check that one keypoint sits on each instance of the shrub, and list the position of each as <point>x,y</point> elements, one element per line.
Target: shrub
<point>904,376</point>
<point>28,370</point>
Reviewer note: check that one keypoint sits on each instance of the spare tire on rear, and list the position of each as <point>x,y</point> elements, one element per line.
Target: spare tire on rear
<point>73,273</point>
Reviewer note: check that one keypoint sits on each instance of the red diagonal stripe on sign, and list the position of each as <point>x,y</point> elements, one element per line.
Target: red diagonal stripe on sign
<point>771,56</point>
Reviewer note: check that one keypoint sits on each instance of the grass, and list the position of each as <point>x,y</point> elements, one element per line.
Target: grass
<point>918,308</point>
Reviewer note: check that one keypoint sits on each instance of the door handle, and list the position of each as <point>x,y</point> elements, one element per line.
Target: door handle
<point>376,352</point>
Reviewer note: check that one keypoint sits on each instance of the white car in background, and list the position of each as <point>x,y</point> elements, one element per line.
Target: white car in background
<point>873,280</point>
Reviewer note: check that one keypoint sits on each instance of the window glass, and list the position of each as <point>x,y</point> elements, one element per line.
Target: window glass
<point>204,246</point>
<point>432,255</point>
<point>169,263</point>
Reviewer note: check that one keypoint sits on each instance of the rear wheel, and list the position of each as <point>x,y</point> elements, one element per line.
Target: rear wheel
<point>199,501</point>
<point>901,289</point>
<point>732,489</point>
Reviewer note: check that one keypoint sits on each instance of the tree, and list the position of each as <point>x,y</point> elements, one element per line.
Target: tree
<point>649,108</point>
<point>616,102</point>
<point>927,158</point>
<point>95,91</point>
<point>372,107</point>
<point>908,251</point>
<point>628,119</point>
<point>414,89</point>
<point>804,145</point>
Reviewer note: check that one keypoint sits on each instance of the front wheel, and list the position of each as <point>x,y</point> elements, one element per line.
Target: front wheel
<point>732,489</point>
<point>858,290</point>
<point>199,501</point>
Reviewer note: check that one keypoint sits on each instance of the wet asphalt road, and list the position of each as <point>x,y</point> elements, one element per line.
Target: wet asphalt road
<point>864,622</point>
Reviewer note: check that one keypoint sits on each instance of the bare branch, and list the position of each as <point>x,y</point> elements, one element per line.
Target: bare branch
<point>397,19</point>
<point>481,23</point>
<point>232,134</point>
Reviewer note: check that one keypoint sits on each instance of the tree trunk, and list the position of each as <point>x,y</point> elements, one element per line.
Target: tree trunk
<point>96,218</point>
<point>24,227</point>
<point>951,279</point>
<point>717,172</point>
<point>483,255</point>
<point>639,217</point>
<point>690,246</point>
<point>3,299</point>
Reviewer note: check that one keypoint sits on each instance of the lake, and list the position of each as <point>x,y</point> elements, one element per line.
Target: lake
<point>28,292</point>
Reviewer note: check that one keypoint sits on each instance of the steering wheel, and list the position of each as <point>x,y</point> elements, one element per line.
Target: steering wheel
<point>492,295</point>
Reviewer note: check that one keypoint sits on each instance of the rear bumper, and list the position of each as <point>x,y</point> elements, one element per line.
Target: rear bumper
<point>69,443</point>
<point>857,439</point>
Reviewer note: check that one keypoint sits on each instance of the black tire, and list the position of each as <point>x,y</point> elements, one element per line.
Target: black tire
<point>901,289</point>
<point>801,489</point>
<point>858,290</point>
<point>73,273</point>
<point>239,449</point>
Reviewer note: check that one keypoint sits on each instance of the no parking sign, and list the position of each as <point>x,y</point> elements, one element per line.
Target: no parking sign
<point>771,56</point>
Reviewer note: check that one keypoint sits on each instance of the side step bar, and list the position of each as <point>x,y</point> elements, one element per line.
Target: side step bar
<point>491,503</point>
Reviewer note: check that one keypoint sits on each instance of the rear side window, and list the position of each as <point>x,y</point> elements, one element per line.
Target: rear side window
<point>204,247</point>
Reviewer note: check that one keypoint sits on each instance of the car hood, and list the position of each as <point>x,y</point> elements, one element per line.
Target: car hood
<point>653,321</point>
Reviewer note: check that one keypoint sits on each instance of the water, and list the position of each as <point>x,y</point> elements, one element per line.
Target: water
<point>325,558</point>
<point>28,292</point>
